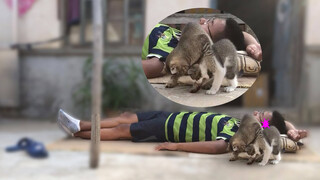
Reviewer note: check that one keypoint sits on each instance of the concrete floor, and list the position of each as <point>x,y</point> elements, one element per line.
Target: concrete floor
<point>65,164</point>
<point>180,94</point>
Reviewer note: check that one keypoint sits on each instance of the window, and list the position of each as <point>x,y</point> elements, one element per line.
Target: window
<point>123,23</point>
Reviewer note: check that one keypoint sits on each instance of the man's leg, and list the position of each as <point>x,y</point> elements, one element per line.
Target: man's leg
<point>124,118</point>
<point>121,131</point>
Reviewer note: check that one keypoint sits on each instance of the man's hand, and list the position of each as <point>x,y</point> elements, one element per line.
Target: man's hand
<point>254,51</point>
<point>296,135</point>
<point>167,146</point>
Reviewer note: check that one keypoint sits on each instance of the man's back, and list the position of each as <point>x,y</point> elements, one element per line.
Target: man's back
<point>199,126</point>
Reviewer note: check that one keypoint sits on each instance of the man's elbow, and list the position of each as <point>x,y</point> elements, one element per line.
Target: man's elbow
<point>219,151</point>
<point>221,148</point>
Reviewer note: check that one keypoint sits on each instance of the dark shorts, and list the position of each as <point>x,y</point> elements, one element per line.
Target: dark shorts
<point>150,127</point>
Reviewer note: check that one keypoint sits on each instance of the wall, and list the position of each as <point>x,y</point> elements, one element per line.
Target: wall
<point>9,63</point>
<point>312,63</point>
<point>312,35</point>
<point>40,23</point>
<point>157,10</point>
<point>9,79</point>
<point>5,22</point>
<point>312,41</point>
<point>47,83</point>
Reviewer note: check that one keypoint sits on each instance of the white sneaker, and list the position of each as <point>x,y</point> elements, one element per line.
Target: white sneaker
<point>68,123</point>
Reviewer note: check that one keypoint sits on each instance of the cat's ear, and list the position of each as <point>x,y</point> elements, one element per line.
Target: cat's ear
<point>191,71</point>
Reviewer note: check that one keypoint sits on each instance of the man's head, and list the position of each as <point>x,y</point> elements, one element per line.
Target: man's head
<point>274,118</point>
<point>224,28</point>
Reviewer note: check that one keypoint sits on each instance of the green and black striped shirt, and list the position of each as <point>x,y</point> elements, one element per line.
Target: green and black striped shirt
<point>199,126</point>
<point>160,42</point>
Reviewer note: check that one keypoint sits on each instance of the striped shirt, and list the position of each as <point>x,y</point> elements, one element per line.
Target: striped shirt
<point>199,126</point>
<point>160,42</point>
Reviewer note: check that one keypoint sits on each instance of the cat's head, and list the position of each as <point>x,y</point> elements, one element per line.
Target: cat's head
<point>176,66</point>
<point>238,145</point>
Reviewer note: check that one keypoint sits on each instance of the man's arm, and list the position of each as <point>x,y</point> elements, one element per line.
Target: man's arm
<point>153,67</point>
<point>253,48</point>
<point>208,147</point>
<point>293,133</point>
<point>289,125</point>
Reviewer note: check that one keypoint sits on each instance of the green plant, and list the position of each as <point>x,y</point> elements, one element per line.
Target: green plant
<point>123,85</point>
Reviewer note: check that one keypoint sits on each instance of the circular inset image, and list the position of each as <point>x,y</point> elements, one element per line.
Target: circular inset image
<point>201,57</point>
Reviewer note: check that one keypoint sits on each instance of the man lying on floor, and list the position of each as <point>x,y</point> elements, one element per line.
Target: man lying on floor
<point>199,132</point>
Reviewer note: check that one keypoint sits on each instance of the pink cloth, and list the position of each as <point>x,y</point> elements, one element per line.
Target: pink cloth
<point>23,5</point>
<point>73,11</point>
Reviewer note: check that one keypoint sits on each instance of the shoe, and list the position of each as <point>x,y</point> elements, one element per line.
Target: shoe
<point>33,148</point>
<point>68,123</point>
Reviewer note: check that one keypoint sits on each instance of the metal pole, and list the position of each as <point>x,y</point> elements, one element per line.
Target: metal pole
<point>96,85</point>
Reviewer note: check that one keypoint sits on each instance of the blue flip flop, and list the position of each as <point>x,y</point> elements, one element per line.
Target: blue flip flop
<point>33,148</point>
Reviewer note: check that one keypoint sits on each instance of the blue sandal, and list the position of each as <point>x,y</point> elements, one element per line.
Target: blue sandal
<point>33,148</point>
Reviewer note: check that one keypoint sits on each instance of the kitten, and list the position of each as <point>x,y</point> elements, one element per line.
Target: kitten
<point>268,141</point>
<point>194,45</point>
<point>223,65</point>
<point>246,134</point>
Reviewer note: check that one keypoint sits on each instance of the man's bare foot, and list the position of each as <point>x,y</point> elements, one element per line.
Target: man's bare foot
<point>296,134</point>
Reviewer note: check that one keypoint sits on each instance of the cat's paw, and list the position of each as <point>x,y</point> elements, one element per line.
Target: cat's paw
<point>259,158</point>
<point>212,91</point>
<point>229,89</point>
<point>274,162</point>
<point>194,89</point>
<point>262,164</point>
<point>232,159</point>
<point>250,161</point>
<point>170,85</point>
<point>206,86</point>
